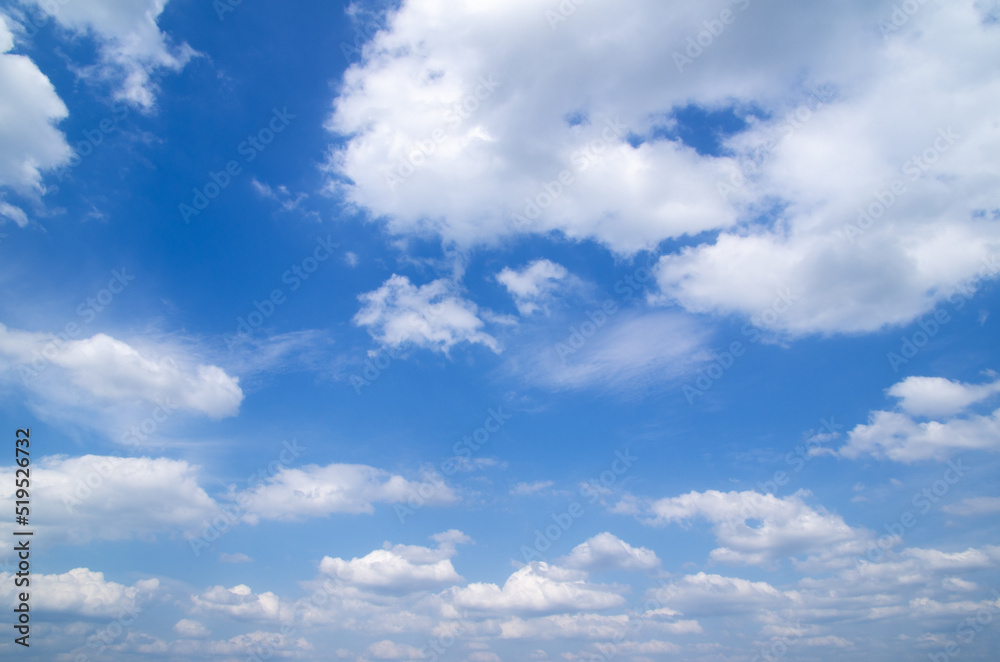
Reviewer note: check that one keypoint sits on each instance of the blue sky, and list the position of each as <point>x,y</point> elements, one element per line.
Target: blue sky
<point>502,331</point>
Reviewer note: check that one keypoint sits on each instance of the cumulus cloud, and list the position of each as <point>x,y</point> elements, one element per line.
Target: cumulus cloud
<point>29,140</point>
<point>449,127</point>
<point>533,286</point>
<point>390,650</point>
<point>430,316</point>
<point>400,568</point>
<point>974,507</point>
<point>758,529</point>
<point>114,498</point>
<point>102,370</point>
<point>241,603</point>
<point>900,437</point>
<point>713,595</point>
<point>538,587</point>
<point>82,592</point>
<point>937,396</point>
<point>315,491</point>
<point>131,47</point>
<point>605,551</point>
<point>189,629</point>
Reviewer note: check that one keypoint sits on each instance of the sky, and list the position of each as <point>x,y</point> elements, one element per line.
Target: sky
<point>489,331</point>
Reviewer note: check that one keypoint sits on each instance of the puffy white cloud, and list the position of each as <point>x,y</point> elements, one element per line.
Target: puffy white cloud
<point>113,498</point>
<point>937,396</point>
<point>532,286</point>
<point>240,602</point>
<point>82,592</point>
<point>400,568</point>
<point>100,370</point>
<point>189,629</point>
<point>758,529</point>
<point>538,587</point>
<point>714,595</point>
<point>131,46</point>
<point>607,551</point>
<point>314,491</point>
<point>898,437</point>
<point>238,557</point>
<point>431,316</point>
<point>29,139</point>
<point>452,128</point>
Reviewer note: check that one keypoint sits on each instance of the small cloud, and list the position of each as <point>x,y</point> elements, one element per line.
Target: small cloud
<point>524,489</point>
<point>189,629</point>
<point>239,557</point>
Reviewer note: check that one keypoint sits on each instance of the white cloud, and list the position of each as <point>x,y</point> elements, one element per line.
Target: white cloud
<point>82,592</point>
<point>974,507</point>
<point>97,371</point>
<point>29,139</point>
<point>898,437</point>
<point>759,529</point>
<point>314,491</point>
<point>431,316</point>
<point>240,602</point>
<point>474,171</point>
<point>238,557</point>
<point>13,213</point>
<point>390,650</point>
<point>189,629</point>
<point>936,396</point>
<point>606,551</point>
<point>526,489</point>
<point>131,46</point>
<point>114,498</point>
<point>538,587</point>
<point>400,568</point>
<point>533,286</point>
